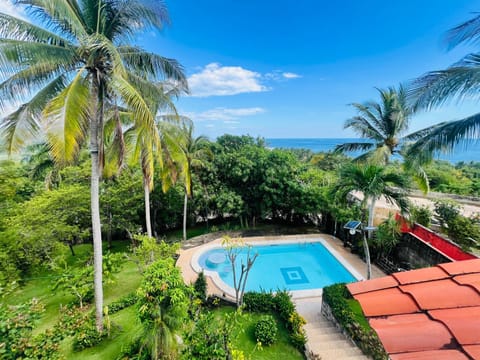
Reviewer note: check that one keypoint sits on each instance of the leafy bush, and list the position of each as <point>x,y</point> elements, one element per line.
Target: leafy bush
<point>281,304</point>
<point>421,215</point>
<point>122,303</point>
<point>284,305</point>
<point>87,337</point>
<point>200,287</point>
<point>258,301</point>
<point>336,297</point>
<point>266,330</point>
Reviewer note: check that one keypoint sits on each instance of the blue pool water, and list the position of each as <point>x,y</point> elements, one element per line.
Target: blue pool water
<point>297,266</point>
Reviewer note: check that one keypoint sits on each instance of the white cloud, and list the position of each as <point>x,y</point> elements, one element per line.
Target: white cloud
<point>219,80</point>
<point>7,7</point>
<point>225,114</point>
<point>290,75</point>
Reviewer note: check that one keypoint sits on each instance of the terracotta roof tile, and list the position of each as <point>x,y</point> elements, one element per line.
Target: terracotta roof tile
<point>386,302</point>
<point>462,267</point>
<point>473,351</point>
<point>416,276</point>
<point>412,332</point>
<point>470,279</point>
<point>464,323</point>
<point>441,294</point>
<point>372,285</point>
<point>431,355</point>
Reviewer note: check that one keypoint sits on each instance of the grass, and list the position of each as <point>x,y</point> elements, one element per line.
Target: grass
<point>125,325</point>
<point>354,305</point>
<point>243,338</point>
<point>40,286</point>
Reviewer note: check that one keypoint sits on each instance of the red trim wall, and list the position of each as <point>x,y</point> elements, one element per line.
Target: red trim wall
<point>444,246</point>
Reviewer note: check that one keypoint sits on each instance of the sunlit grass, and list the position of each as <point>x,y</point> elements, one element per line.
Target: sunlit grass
<point>243,338</point>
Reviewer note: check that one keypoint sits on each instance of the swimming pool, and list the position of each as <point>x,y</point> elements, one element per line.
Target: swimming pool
<point>302,265</point>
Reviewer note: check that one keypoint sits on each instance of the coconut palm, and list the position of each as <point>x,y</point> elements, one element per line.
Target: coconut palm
<point>456,83</point>
<point>67,73</point>
<point>385,124</point>
<point>373,182</point>
<point>195,151</point>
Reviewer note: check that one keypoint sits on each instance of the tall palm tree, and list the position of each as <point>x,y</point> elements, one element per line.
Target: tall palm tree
<point>385,124</point>
<point>456,83</point>
<point>65,74</point>
<point>195,151</point>
<point>373,182</point>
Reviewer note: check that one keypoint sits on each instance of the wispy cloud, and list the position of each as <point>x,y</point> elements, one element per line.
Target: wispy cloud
<point>227,115</point>
<point>290,75</point>
<point>219,80</point>
<point>279,75</point>
<point>7,7</point>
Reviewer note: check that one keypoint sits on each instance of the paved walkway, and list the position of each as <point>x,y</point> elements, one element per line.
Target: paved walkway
<point>324,339</point>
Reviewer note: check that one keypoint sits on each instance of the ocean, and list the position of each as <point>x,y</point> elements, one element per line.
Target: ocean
<point>467,153</point>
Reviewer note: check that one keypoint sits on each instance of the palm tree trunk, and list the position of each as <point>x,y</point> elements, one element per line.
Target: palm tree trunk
<point>95,209</point>
<point>185,216</point>
<point>367,256</point>
<point>148,223</point>
<point>371,216</point>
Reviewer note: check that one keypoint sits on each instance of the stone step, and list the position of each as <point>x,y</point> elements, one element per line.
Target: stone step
<point>331,344</point>
<point>326,326</point>
<point>327,337</point>
<point>349,353</point>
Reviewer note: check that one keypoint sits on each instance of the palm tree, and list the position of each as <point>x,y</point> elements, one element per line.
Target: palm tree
<point>456,83</point>
<point>373,182</point>
<point>42,166</point>
<point>385,125</point>
<point>65,75</point>
<point>195,151</point>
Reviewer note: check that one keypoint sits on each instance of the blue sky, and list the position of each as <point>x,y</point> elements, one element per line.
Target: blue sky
<point>289,69</point>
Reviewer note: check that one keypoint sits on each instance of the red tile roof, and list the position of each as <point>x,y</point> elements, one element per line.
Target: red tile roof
<point>431,313</point>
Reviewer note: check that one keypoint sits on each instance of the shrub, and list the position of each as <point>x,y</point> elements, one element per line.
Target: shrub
<point>87,337</point>
<point>122,303</point>
<point>284,305</point>
<point>266,330</point>
<point>421,215</point>
<point>259,302</point>
<point>200,287</point>
<point>336,297</point>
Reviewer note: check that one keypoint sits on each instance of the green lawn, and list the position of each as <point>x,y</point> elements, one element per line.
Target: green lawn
<point>243,339</point>
<point>125,326</point>
<point>40,286</point>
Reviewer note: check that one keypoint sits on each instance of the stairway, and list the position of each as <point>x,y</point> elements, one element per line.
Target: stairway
<point>324,339</point>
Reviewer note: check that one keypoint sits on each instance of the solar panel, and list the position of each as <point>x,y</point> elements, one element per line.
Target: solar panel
<point>354,224</point>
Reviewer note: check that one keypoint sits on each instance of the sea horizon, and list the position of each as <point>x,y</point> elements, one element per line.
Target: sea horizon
<point>467,152</point>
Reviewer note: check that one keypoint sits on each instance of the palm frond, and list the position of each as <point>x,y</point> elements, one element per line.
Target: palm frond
<point>465,33</point>
<point>445,136</point>
<point>350,147</point>
<point>64,16</point>
<point>158,67</point>
<point>125,18</point>
<point>22,84</point>
<point>363,127</point>
<point>456,83</point>
<point>17,29</point>
<point>22,125</point>
<point>66,118</point>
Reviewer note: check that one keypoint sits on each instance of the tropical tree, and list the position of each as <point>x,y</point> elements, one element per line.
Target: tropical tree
<point>195,152</point>
<point>66,74</point>
<point>458,82</point>
<point>385,124</point>
<point>373,182</point>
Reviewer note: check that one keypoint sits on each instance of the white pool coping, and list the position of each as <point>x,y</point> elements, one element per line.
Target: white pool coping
<point>296,294</point>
